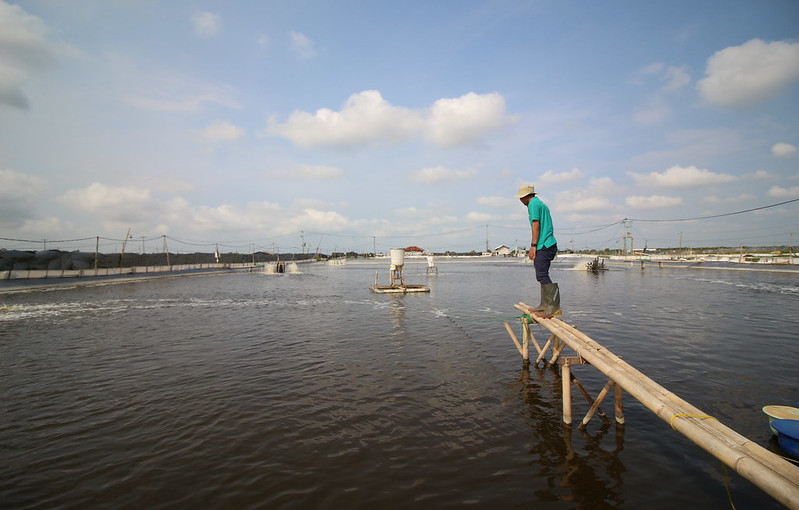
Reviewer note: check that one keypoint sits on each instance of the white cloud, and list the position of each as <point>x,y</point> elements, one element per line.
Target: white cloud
<point>167,90</point>
<point>653,69</point>
<point>497,202</point>
<point>306,172</point>
<point>314,203</point>
<point>408,212</point>
<point>582,201</point>
<point>120,208</point>
<point>714,200</point>
<point>252,216</point>
<point>598,195</point>
<point>18,196</point>
<point>301,45</point>
<point>476,217</point>
<point>173,98</point>
<point>551,177</point>
<point>780,192</point>
<point>751,73</point>
<point>222,131</point>
<point>439,173</point>
<point>19,186</point>
<point>114,203</point>
<point>760,175</point>
<point>603,185</point>
<point>463,120</point>
<point>47,228</point>
<point>416,219</point>
<point>324,221</point>
<point>675,78</point>
<point>206,24</point>
<point>23,51</point>
<point>783,150</point>
<point>365,118</point>
<point>656,110</point>
<point>652,202</point>
<point>682,177</point>
<point>653,113</point>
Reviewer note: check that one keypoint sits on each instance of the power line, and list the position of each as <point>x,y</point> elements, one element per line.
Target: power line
<point>595,229</point>
<point>721,215</point>
<point>48,240</point>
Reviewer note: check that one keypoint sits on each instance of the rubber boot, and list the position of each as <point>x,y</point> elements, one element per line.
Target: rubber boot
<point>540,307</point>
<point>551,297</point>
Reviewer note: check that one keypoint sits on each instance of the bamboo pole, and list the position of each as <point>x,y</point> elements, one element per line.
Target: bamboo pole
<point>556,352</point>
<point>576,360</point>
<point>595,405</point>
<point>525,340</point>
<point>618,407</point>
<point>777,477</point>
<point>587,396</point>
<point>532,337</point>
<point>567,392</point>
<point>544,350</point>
<point>513,337</point>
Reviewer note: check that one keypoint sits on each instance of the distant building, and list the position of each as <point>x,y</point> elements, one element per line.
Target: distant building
<point>500,251</point>
<point>414,250</point>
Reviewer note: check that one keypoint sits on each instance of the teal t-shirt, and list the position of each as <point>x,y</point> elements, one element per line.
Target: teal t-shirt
<point>538,210</point>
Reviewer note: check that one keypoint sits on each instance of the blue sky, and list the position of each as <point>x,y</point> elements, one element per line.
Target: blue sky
<point>354,125</point>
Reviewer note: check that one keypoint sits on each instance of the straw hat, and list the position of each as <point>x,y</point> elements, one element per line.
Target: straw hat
<point>527,189</point>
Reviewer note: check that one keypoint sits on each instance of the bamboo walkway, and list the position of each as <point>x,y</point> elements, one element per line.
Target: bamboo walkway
<point>773,474</point>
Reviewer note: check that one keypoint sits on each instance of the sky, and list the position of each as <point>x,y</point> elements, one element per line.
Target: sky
<point>359,125</point>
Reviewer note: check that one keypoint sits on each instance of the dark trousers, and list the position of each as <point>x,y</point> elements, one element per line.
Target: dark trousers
<point>543,258</point>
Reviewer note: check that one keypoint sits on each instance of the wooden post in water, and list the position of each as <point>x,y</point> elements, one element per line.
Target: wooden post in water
<point>526,339</point>
<point>618,407</point>
<point>566,384</point>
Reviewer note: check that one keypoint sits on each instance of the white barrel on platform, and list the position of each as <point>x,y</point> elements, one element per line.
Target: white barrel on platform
<point>397,257</point>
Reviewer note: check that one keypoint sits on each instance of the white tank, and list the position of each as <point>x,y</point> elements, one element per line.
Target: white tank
<point>397,257</point>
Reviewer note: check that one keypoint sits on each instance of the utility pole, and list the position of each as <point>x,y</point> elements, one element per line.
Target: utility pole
<point>487,250</point>
<point>166,250</point>
<point>124,243</point>
<point>628,235</point>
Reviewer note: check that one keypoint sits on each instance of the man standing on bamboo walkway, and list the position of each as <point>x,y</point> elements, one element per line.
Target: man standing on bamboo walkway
<point>543,248</point>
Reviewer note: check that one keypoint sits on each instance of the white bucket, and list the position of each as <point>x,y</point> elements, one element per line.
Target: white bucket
<point>397,257</point>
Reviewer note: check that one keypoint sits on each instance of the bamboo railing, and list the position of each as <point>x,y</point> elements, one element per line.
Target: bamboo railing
<point>774,475</point>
